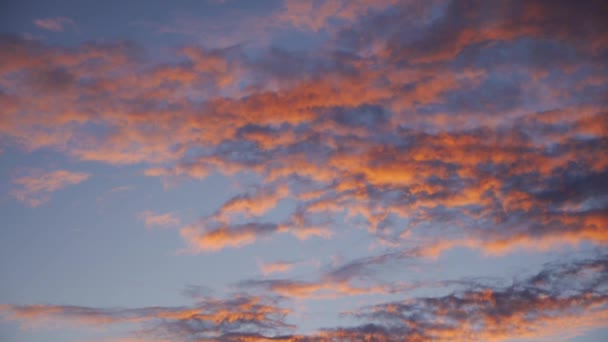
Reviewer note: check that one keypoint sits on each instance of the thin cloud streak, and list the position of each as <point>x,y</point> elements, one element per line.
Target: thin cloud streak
<point>56,24</point>
<point>36,186</point>
<point>276,267</point>
<point>152,219</point>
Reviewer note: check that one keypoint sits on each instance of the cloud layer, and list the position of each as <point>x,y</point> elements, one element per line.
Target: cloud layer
<point>437,125</point>
<point>564,299</point>
<point>424,126</point>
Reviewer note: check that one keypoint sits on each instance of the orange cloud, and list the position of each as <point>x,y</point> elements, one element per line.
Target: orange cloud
<point>318,290</point>
<point>563,299</point>
<point>399,124</point>
<point>36,187</point>
<point>255,204</point>
<point>316,15</point>
<point>152,219</point>
<point>276,267</point>
<point>536,307</point>
<point>224,236</point>
<point>221,317</point>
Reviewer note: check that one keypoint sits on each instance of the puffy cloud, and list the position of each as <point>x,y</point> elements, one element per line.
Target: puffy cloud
<point>36,186</point>
<point>415,129</point>
<point>427,125</point>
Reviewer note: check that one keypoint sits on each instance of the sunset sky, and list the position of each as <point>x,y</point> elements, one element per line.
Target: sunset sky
<point>303,170</point>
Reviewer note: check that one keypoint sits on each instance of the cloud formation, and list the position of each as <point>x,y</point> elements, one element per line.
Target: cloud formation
<point>276,267</point>
<point>34,187</point>
<point>419,126</point>
<point>152,219</point>
<point>56,24</point>
<point>210,319</point>
<point>412,130</point>
<point>533,307</point>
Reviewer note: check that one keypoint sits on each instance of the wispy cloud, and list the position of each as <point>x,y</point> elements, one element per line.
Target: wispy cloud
<point>55,24</point>
<point>210,319</point>
<point>276,267</point>
<point>534,307</point>
<point>152,219</point>
<point>215,239</point>
<point>35,187</point>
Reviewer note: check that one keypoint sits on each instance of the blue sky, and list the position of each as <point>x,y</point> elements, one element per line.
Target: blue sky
<point>303,170</point>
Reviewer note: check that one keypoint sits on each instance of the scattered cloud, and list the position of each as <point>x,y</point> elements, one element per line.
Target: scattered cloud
<point>34,187</point>
<point>424,128</point>
<point>209,319</point>
<point>419,126</point>
<point>532,307</point>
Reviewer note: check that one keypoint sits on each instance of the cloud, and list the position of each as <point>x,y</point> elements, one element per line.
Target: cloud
<point>209,319</point>
<point>36,186</point>
<point>364,267</point>
<point>225,236</point>
<point>218,30</point>
<point>405,121</point>
<point>532,307</point>
<point>56,24</point>
<point>419,126</point>
<point>276,267</point>
<point>351,279</point>
<point>152,219</point>
<point>316,15</point>
<point>321,289</point>
<point>257,203</point>
<point>466,23</point>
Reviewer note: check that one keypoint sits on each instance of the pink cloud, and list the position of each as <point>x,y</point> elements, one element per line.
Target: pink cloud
<point>354,133</point>
<point>36,187</point>
<point>276,267</point>
<point>56,24</point>
<point>152,219</point>
<point>316,15</point>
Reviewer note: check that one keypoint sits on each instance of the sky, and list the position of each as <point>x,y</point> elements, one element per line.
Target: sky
<point>303,170</point>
